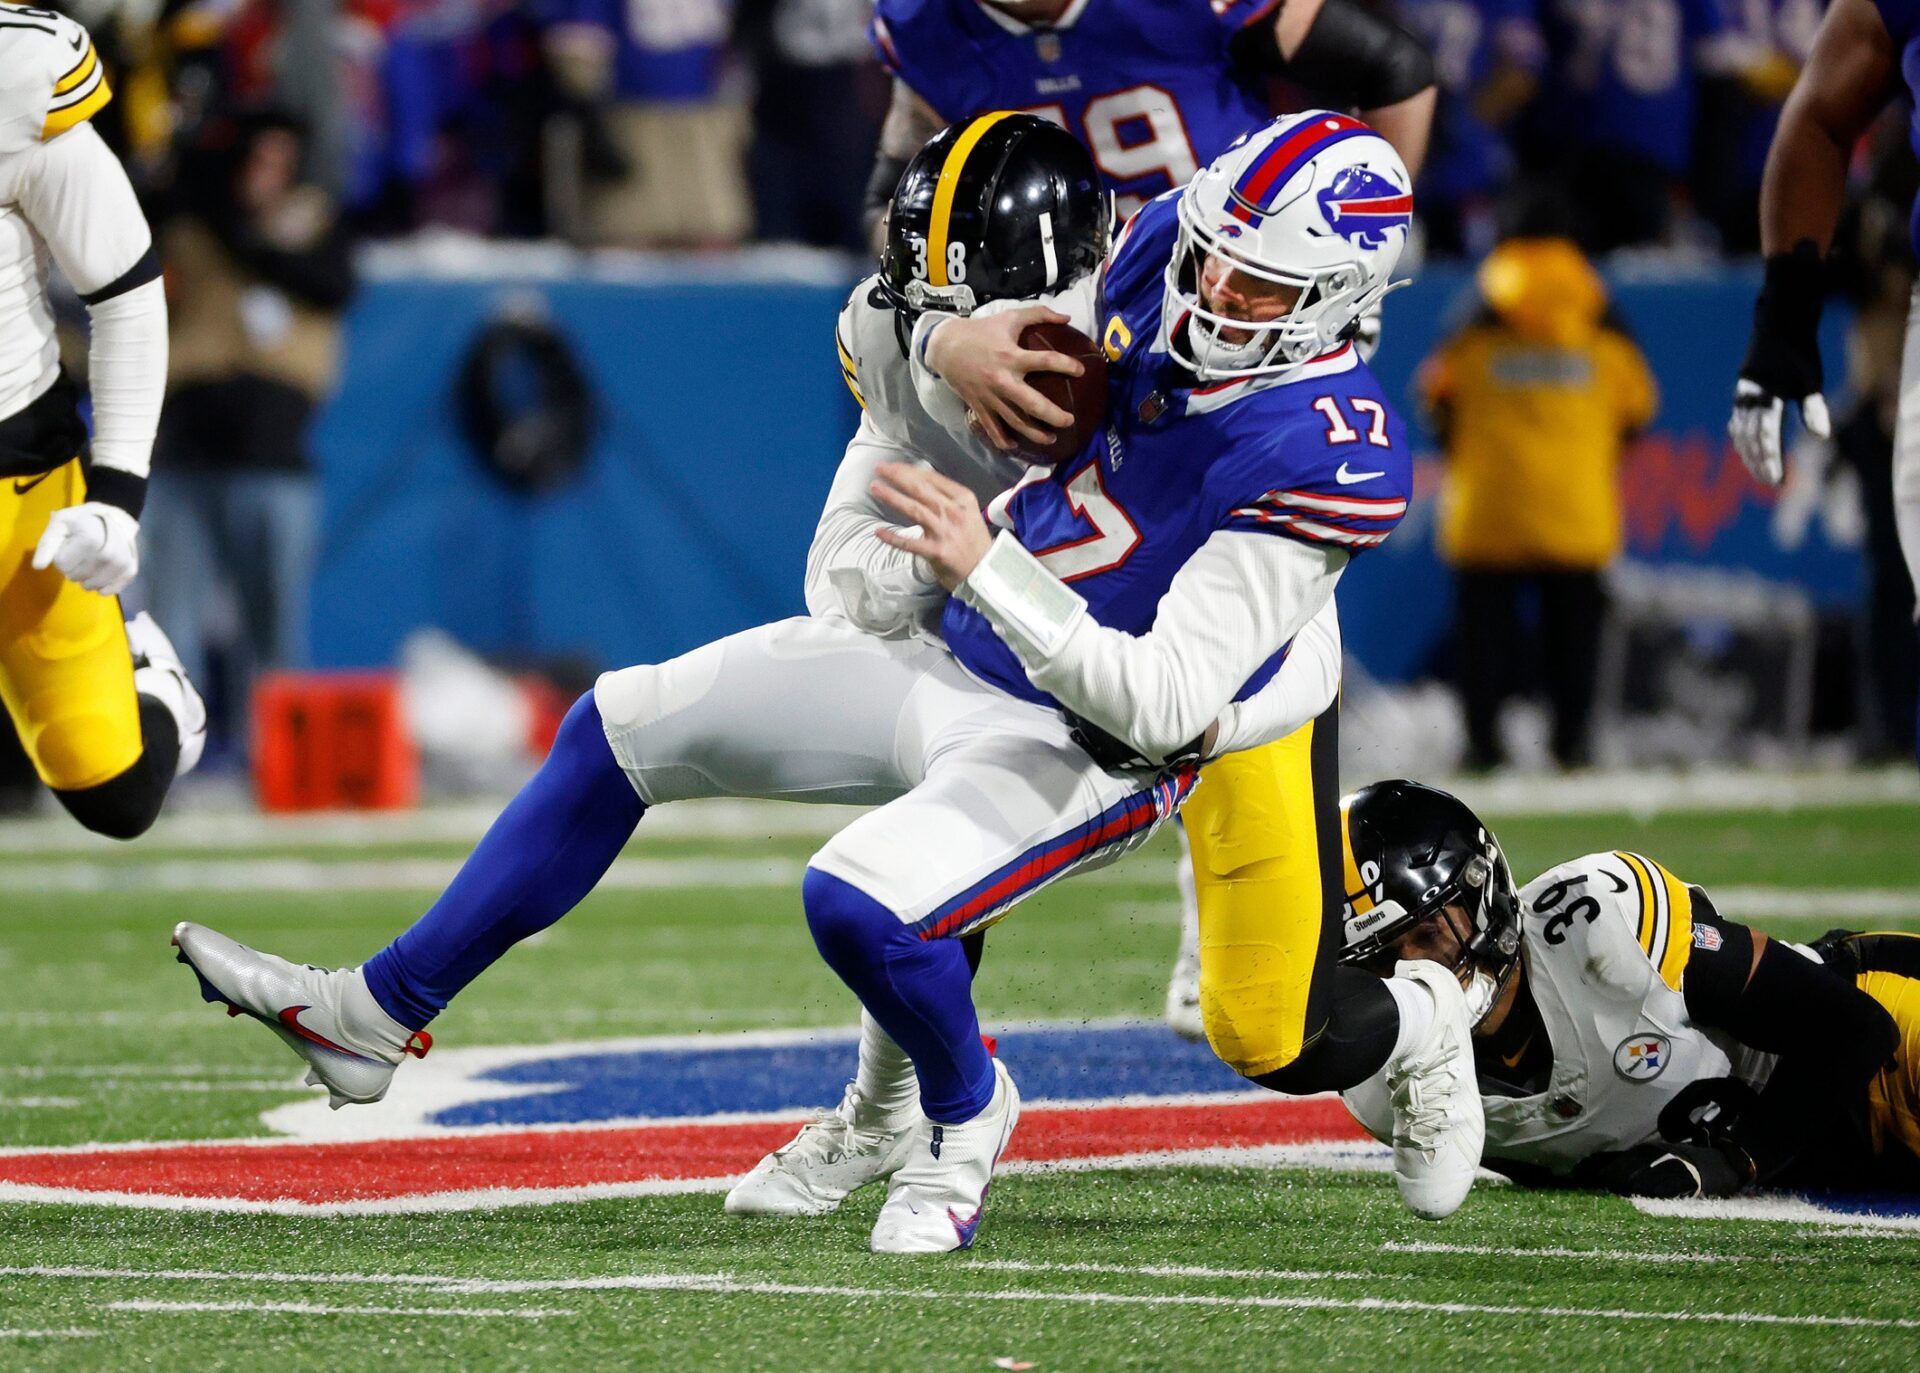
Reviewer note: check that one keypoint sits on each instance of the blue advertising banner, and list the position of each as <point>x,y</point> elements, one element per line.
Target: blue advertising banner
<point>722,417</point>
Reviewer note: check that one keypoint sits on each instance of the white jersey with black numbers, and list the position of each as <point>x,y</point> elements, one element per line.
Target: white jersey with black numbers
<point>1605,939</point>
<point>850,573</point>
<point>51,81</point>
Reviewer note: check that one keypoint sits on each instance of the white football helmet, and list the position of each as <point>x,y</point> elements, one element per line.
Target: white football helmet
<point>1316,200</point>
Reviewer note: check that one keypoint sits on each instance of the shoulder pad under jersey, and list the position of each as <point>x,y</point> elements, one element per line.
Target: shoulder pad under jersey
<point>51,77</point>
<point>1627,918</point>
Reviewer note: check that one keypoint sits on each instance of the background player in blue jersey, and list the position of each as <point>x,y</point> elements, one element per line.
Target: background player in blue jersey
<point>1243,416</point>
<point>1614,125</point>
<point>1156,88</point>
<point>1864,52</point>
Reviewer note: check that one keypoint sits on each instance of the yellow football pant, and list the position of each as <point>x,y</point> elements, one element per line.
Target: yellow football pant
<point>1893,1097</point>
<point>66,675</point>
<point>1264,829</point>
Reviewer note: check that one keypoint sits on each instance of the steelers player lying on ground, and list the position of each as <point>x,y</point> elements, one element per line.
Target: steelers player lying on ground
<point>981,793</point>
<point>1629,1036</point>
<point>1018,170</point>
<point>100,704</point>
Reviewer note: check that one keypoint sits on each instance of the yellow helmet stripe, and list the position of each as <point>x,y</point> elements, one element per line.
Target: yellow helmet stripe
<point>945,188</point>
<point>1356,889</point>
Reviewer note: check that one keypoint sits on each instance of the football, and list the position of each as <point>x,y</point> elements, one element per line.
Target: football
<point>1084,397</point>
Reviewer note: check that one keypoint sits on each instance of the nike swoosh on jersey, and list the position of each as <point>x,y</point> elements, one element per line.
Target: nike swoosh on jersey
<point>21,487</point>
<point>1346,478</point>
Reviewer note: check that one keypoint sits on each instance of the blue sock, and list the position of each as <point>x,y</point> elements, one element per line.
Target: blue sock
<point>920,990</point>
<point>554,841</point>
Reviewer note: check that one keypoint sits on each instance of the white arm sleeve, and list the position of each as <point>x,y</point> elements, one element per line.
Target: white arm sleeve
<point>76,195</point>
<point>1305,685</point>
<point>1235,602</point>
<point>1080,303</point>
<point>850,573</point>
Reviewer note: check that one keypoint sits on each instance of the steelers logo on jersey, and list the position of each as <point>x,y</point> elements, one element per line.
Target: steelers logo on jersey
<point>1642,1058</point>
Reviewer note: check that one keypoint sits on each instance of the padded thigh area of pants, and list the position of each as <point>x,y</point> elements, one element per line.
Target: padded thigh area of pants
<point>803,710</point>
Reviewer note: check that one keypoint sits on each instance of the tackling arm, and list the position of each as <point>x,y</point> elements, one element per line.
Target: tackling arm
<point>1229,609</point>
<point>882,590</point>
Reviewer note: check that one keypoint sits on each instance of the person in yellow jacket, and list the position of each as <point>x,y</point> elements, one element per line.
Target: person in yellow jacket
<point>1534,400</point>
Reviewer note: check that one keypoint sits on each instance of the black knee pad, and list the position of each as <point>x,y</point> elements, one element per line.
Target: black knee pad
<point>126,806</point>
<point>1362,1024</point>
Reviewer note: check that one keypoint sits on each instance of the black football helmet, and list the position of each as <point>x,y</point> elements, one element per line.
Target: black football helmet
<point>1003,205</point>
<point>1409,851</point>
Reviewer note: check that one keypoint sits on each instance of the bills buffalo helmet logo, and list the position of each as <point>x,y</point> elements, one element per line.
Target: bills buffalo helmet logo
<point>1362,205</point>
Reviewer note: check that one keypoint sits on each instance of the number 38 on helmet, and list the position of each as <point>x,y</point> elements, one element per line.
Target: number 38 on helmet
<point>1001,206</point>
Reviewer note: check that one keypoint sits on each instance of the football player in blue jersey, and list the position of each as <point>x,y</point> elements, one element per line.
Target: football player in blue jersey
<point>1866,53</point>
<point>1143,586</point>
<point>1155,88</point>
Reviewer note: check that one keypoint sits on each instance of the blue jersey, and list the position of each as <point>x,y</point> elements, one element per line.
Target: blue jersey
<point>1145,84</point>
<point>1318,456</point>
<point>1624,75</point>
<point>1468,40</point>
<point>1902,18</point>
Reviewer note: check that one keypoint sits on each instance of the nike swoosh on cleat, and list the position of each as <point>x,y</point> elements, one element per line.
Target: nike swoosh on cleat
<point>966,1229</point>
<point>290,1018</point>
<point>1346,478</point>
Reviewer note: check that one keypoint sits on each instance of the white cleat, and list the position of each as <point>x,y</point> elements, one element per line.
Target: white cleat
<point>327,1016</point>
<point>1183,988</point>
<point>157,673</point>
<point>829,1160</point>
<point>937,1198</point>
<point>1183,1000</point>
<point>1439,1127</point>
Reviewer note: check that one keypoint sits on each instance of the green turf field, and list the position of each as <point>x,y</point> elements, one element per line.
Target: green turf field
<point>1167,1268</point>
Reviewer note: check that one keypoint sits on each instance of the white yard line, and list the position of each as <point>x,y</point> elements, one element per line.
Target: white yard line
<point>1886,905</point>
<point>1637,792</point>
<point>1782,1207</point>
<point>1175,1270</point>
<point>1595,1255</point>
<point>724,1284</point>
<point>301,1308</point>
<point>47,1334</point>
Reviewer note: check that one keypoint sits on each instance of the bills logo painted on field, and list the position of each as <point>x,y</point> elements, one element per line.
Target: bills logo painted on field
<point>491,1127</point>
<point>1642,1058</point>
<point>1361,206</point>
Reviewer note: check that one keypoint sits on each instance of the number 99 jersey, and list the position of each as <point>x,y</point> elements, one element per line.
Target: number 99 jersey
<point>1146,84</point>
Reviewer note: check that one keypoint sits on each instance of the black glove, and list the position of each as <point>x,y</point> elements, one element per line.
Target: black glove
<point>1663,1170</point>
<point>1117,755</point>
<point>1705,1112</point>
<point>1782,363</point>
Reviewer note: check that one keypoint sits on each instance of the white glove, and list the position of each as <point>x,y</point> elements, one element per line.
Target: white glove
<point>95,545</point>
<point>1755,427</point>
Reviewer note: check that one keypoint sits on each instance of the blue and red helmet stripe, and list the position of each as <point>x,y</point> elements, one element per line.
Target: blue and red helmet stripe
<point>1275,167</point>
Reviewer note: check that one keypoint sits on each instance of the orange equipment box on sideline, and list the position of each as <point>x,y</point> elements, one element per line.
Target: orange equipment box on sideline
<point>333,741</point>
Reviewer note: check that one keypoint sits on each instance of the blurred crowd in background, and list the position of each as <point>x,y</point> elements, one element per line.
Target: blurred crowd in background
<point>712,122</point>
<point>267,137</point>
